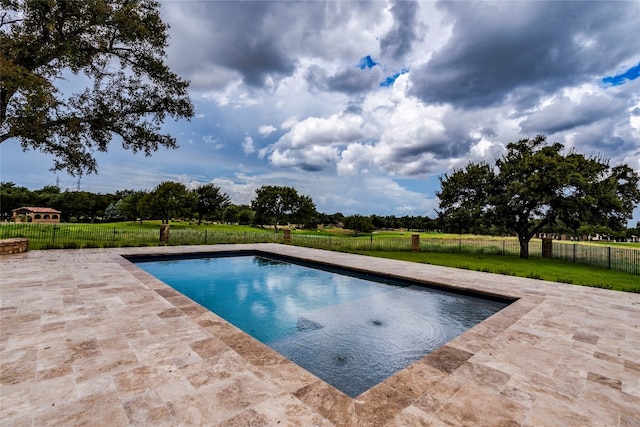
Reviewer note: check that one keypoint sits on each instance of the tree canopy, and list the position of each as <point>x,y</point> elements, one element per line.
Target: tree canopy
<point>359,224</point>
<point>209,200</point>
<point>535,184</point>
<point>275,204</point>
<point>119,46</point>
<point>168,200</point>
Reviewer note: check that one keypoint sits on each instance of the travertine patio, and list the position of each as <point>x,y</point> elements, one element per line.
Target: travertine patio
<point>87,338</point>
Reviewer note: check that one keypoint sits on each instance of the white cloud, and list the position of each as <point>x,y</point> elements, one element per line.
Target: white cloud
<point>314,144</point>
<point>240,188</point>
<point>266,130</point>
<point>247,145</point>
<point>336,129</point>
<point>355,159</point>
<point>213,141</point>
<point>313,158</point>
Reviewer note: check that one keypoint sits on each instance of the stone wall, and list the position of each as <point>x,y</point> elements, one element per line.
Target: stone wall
<point>13,246</point>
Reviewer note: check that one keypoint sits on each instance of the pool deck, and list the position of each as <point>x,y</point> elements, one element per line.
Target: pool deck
<point>87,338</point>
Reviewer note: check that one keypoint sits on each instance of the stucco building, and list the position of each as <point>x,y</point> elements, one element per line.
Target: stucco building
<point>37,214</point>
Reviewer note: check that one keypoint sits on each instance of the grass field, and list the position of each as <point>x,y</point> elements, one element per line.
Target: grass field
<point>535,268</point>
<point>175,225</point>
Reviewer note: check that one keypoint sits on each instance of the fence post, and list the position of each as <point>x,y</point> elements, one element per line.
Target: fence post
<point>113,237</point>
<point>547,247</point>
<point>287,235</point>
<point>164,233</point>
<point>609,258</point>
<point>574,252</point>
<point>415,243</point>
<point>53,236</point>
<point>205,237</point>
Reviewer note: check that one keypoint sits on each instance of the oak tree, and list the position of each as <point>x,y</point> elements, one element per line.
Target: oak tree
<point>276,204</point>
<point>535,184</point>
<point>209,200</point>
<point>168,200</point>
<point>75,74</point>
<point>359,224</point>
<point>132,207</point>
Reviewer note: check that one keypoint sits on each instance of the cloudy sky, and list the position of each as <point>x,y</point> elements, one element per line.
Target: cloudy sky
<point>363,105</point>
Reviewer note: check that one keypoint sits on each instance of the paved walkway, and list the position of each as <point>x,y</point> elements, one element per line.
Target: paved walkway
<point>87,338</point>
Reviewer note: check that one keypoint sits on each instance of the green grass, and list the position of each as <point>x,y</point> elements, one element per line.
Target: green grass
<point>536,268</point>
<point>180,225</point>
<point>334,231</point>
<point>119,234</point>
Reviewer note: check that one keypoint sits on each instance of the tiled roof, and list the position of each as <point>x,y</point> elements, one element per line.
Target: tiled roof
<point>36,209</point>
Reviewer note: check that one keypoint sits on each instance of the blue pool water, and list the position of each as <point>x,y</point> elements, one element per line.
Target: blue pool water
<point>351,332</point>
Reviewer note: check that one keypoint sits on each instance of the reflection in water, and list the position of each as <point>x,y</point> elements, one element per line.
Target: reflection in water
<point>352,333</point>
<point>262,261</point>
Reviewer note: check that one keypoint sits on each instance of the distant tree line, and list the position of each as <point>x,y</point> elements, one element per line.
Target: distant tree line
<point>272,206</point>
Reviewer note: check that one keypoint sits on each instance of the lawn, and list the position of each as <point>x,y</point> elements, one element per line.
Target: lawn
<point>536,268</point>
<point>178,225</point>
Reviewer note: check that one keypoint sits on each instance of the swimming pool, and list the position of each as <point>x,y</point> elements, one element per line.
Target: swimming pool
<point>349,330</point>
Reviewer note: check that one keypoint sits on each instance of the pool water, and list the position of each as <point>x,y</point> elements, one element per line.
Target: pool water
<point>349,331</point>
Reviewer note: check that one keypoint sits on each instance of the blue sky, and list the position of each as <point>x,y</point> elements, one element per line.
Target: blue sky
<point>362,105</point>
<point>620,79</point>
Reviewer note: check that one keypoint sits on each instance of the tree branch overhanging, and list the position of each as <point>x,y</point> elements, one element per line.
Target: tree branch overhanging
<point>56,37</point>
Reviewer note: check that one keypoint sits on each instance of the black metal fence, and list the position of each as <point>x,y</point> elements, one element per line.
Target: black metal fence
<point>613,258</point>
<point>74,236</point>
<point>60,236</point>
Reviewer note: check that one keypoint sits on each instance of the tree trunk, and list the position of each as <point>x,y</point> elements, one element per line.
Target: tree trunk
<point>524,248</point>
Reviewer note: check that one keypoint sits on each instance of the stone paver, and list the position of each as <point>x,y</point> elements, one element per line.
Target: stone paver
<point>87,338</point>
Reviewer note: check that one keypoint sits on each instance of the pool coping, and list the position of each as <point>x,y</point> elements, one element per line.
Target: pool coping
<point>433,389</point>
